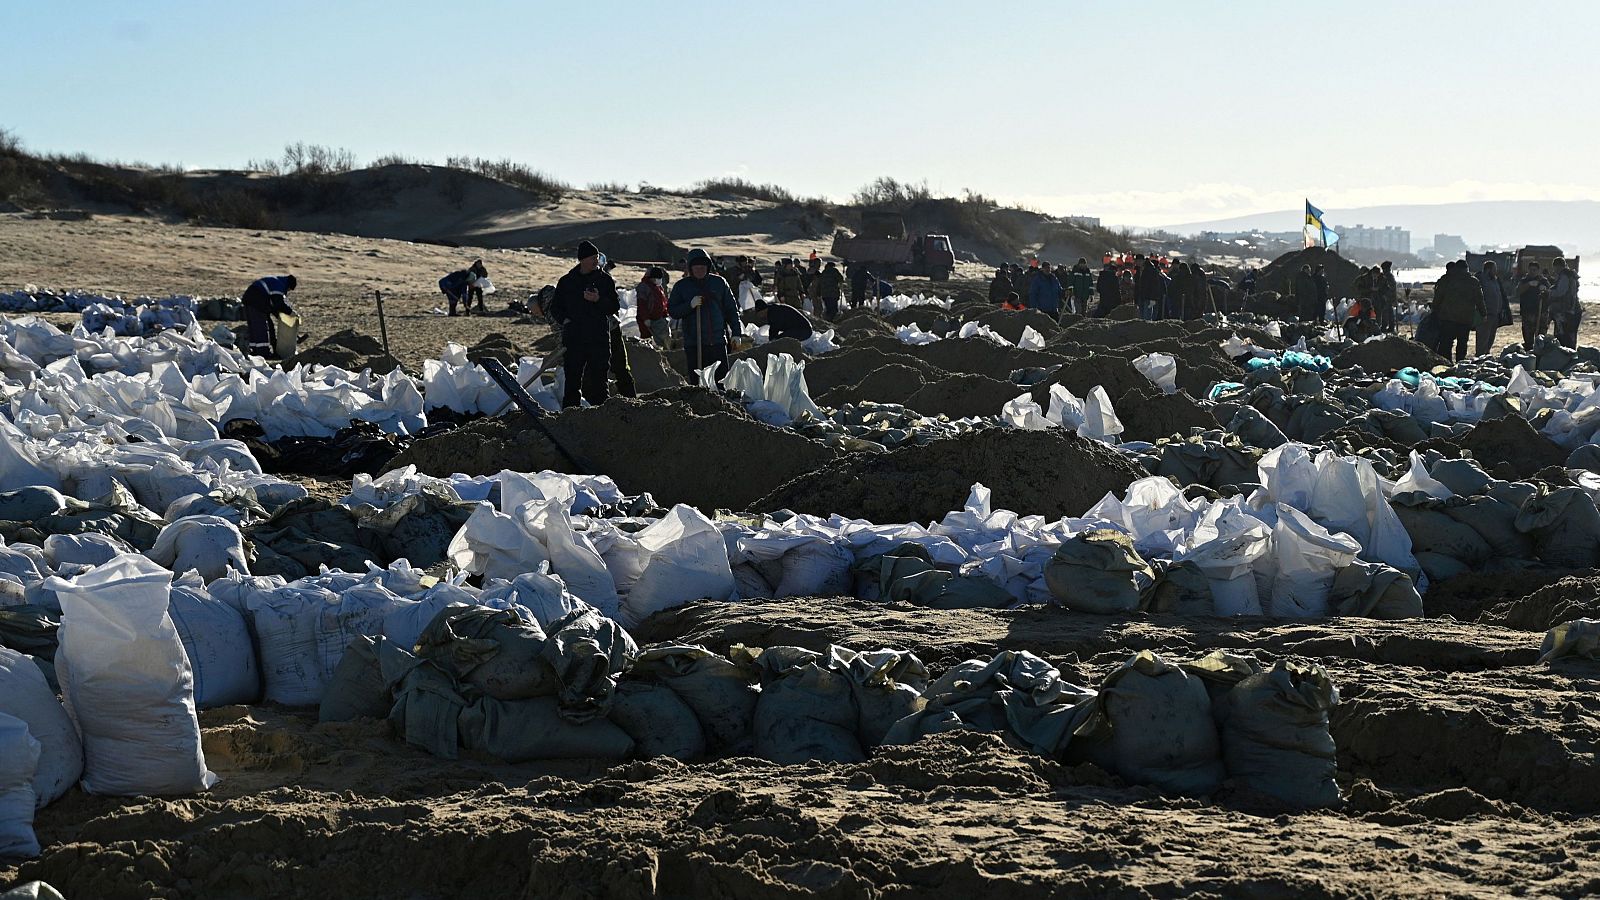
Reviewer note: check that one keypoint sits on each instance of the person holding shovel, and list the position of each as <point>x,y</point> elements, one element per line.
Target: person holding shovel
<point>704,303</point>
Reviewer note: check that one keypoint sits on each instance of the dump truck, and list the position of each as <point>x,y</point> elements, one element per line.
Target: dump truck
<point>883,245</point>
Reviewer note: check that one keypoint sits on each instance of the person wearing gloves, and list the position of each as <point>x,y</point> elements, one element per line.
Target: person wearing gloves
<point>261,299</point>
<point>704,303</point>
<point>584,305</point>
<point>461,286</point>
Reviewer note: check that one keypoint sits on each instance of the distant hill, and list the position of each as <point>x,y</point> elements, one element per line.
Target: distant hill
<point>1572,225</point>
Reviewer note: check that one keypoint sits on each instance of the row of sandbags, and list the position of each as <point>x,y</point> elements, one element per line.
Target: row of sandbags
<point>485,681</point>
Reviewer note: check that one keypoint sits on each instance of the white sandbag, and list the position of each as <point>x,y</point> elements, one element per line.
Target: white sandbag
<point>218,644</point>
<point>817,568</point>
<point>1418,480</point>
<point>1161,369</point>
<point>1031,339</point>
<point>25,694</point>
<point>1226,550</point>
<point>571,555</point>
<point>1100,420</point>
<point>1066,409</point>
<point>87,549</point>
<point>495,545</point>
<point>785,385</point>
<point>1306,557</point>
<point>19,462</point>
<point>210,545</point>
<point>1022,412</point>
<point>127,683</point>
<point>1287,476</point>
<point>539,592</point>
<point>302,631</point>
<point>687,560</point>
<point>746,378</point>
<point>19,756</point>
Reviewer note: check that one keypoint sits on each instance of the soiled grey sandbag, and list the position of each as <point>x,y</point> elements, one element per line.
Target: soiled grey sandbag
<point>1586,457</point>
<point>1275,736</point>
<point>491,649</point>
<point>807,710</point>
<point>520,730</point>
<point>1255,429</point>
<point>27,504</point>
<point>1565,527</point>
<point>1153,725</point>
<point>1098,571</point>
<point>658,721</point>
<point>357,689</point>
<point>1495,521</point>
<point>887,686</point>
<point>1461,476</point>
<point>1181,589</point>
<point>1375,591</point>
<point>722,695</point>
<point>1433,531</point>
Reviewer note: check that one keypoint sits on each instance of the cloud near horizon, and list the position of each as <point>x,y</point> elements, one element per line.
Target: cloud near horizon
<point>1207,202</point>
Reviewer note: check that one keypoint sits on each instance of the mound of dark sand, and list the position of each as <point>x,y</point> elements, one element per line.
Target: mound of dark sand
<point>497,346</point>
<point>862,324</point>
<point>1050,473</point>
<point>633,246</point>
<point>847,367</point>
<point>1009,323</point>
<point>1566,600</point>
<point>652,370</point>
<point>1108,333</point>
<point>1387,355</point>
<point>892,383</point>
<point>1507,447</point>
<point>1117,376</point>
<point>654,445</point>
<point>959,396</point>
<point>348,349</point>
<point>1279,274</point>
<point>926,316</point>
<point>975,356</point>
<point>1470,596</point>
<point>1149,415</point>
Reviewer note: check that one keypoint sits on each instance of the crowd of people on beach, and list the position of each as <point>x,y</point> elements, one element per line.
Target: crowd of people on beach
<point>705,311</point>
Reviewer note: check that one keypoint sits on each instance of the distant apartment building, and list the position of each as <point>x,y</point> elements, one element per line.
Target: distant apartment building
<point>1386,238</point>
<point>1082,221</point>
<point>1449,246</point>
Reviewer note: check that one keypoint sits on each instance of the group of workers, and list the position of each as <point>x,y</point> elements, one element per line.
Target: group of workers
<point>1464,303</point>
<point>1181,291</point>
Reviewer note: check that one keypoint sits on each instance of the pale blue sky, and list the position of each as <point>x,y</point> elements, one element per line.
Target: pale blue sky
<point>1142,113</point>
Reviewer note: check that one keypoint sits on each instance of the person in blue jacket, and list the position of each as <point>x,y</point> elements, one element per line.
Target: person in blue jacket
<point>1045,292</point>
<point>260,300</point>
<point>704,303</point>
<point>461,286</point>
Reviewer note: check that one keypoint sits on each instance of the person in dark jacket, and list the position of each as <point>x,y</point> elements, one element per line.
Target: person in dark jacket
<point>260,300</point>
<point>584,305</point>
<point>1457,299</point>
<point>860,281</point>
<point>1494,302</point>
<point>1387,297</point>
<point>1000,285</point>
<point>1305,295</point>
<point>1199,292</point>
<point>1531,291</point>
<point>1566,313</point>
<point>704,303</point>
<point>829,287</point>
<point>1045,292</point>
<point>1110,290</point>
<point>1150,289</point>
<point>462,286</point>
<point>1080,287</point>
<point>782,321</point>
<point>1320,279</point>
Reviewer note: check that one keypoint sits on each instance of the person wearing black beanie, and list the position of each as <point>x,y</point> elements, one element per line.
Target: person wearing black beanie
<point>584,305</point>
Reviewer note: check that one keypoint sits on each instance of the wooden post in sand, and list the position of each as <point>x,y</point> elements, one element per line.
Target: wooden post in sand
<point>383,325</point>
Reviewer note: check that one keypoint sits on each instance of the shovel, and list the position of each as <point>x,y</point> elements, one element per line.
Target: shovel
<point>533,379</point>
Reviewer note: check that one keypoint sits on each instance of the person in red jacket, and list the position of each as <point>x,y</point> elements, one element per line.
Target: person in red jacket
<point>651,305</point>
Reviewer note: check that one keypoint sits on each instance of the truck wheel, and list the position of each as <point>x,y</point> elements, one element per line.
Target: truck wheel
<point>939,273</point>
